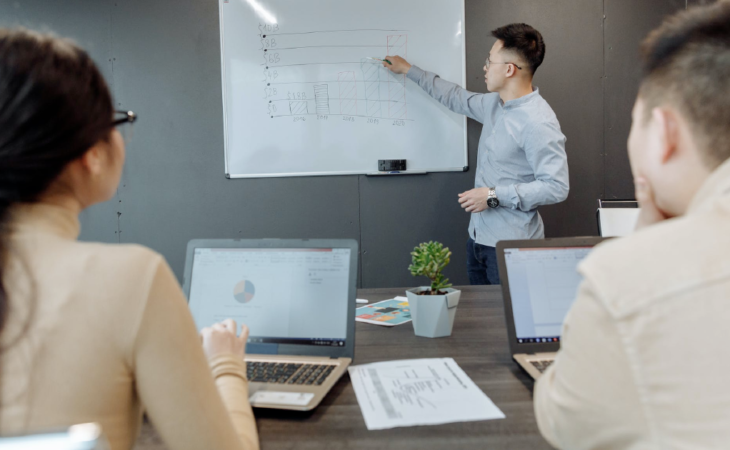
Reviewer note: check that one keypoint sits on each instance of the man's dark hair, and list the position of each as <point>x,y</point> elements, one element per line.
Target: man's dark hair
<point>525,41</point>
<point>686,63</point>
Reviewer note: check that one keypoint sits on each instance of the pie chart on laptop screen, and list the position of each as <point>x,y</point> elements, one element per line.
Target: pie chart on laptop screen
<point>244,291</point>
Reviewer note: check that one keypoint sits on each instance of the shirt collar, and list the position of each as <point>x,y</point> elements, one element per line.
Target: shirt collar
<point>522,100</point>
<point>46,218</point>
<point>716,185</point>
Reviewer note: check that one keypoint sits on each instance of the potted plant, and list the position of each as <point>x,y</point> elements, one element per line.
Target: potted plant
<point>433,308</point>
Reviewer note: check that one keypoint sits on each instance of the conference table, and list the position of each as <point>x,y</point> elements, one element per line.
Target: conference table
<point>479,346</point>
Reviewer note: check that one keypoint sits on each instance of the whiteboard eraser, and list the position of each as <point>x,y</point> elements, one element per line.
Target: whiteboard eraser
<point>387,165</point>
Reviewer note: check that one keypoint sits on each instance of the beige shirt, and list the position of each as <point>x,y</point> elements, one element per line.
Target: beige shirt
<point>97,332</point>
<point>645,355</point>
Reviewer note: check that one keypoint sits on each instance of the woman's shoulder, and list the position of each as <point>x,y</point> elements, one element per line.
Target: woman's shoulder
<point>119,260</point>
<point>129,274</point>
<point>120,253</point>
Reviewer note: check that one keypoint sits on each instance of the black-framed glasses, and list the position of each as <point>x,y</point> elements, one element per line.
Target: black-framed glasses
<point>122,117</point>
<point>488,62</point>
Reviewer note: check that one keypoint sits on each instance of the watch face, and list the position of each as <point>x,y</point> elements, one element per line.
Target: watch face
<point>493,203</point>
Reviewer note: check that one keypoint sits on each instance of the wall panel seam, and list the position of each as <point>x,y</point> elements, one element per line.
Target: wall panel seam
<point>604,81</point>
<point>361,257</point>
<point>112,59</point>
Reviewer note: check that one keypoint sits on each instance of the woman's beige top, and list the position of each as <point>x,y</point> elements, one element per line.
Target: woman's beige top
<point>98,332</point>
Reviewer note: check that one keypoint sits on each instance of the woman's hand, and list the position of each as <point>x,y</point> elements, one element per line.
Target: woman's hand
<point>221,339</point>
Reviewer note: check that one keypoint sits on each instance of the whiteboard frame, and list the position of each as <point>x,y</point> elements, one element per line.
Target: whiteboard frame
<point>465,168</point>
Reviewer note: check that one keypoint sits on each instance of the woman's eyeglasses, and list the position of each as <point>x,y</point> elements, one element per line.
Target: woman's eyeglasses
<point>123,117</point>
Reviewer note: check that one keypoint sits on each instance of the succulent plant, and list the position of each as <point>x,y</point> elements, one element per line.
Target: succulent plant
<point>429,259</point>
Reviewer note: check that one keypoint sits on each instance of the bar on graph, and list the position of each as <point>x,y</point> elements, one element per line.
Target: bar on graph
<point>371,75</point>
<point>348,93</point>
<point>398,45</point>
<point>322,99</point>
<point>298,108</point>
<point>397,107</point>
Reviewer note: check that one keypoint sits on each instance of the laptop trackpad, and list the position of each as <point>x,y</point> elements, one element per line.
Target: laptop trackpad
<point>282,398</point>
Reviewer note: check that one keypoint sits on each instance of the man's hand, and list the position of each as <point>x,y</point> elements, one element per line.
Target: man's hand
<point>399,65</point>
<point>650,213</point>
<point>475,200</point>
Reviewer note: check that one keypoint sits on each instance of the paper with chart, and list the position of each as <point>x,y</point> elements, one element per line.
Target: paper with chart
<point>418,392</point>
<point>387,313</point>
<point>301,95</point>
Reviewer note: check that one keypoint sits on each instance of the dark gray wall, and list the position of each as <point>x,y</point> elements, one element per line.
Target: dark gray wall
<point>162,60</point>
<point>627,23</point>
<point>88,23</point>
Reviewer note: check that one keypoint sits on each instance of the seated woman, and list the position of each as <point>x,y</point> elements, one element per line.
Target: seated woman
<point>94,332</point>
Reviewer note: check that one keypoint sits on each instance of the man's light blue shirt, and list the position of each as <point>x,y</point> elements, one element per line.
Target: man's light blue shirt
<point>521,154</point>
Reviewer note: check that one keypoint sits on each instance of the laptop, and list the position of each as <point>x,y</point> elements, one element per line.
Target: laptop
<point>85,436</point>
<point>297,298</point>
<point>539,283</point>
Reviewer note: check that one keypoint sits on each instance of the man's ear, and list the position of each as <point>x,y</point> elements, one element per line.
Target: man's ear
<point>667,125</point>
<point>511,70</point>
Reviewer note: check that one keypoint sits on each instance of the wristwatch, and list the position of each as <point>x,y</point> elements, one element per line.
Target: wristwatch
<point>492,200</point>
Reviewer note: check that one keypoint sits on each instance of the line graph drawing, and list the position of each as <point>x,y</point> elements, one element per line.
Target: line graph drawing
<point>334,31</point>
<point>348,92</point>
<point>298,100</point>
<point>310,59</point>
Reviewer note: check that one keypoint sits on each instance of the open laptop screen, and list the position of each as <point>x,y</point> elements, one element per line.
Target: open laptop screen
<point>285,296</point>
<point>543,283</point>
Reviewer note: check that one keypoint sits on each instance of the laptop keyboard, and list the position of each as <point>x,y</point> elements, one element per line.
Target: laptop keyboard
<point>542,365</point>
<point>288,373</point>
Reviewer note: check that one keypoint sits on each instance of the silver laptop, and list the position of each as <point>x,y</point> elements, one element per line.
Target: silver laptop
<point>297,298</point>
<point>539,283</point>
<point>85,436</point>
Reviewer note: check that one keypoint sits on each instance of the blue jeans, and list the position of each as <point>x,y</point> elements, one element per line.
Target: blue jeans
<point>481,263</point>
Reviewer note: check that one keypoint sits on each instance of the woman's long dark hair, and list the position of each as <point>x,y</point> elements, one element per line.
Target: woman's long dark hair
<point>54,106</point>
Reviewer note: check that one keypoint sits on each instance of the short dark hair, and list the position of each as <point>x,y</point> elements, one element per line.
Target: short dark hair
<point>525,41</point>
<point>686,63</point>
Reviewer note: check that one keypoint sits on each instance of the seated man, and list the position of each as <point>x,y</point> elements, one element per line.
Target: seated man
<point>644,357</point>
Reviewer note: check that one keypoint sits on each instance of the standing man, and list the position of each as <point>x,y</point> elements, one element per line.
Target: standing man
<point>521,162</point>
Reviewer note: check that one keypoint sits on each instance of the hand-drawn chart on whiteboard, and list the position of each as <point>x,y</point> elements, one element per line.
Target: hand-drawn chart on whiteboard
<point>302,94</point>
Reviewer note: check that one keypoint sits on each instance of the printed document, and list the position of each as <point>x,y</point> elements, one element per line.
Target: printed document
<point>418,392</point>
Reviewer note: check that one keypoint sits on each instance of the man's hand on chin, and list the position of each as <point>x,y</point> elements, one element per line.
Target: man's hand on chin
<point>650,212</point>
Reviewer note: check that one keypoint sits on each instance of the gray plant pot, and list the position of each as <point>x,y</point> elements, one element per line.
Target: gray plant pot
<point>433,315</point>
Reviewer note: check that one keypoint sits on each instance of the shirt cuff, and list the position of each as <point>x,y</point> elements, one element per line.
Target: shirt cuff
<point>228,364</point>
<point>507,196</point>
<point>415,73</point>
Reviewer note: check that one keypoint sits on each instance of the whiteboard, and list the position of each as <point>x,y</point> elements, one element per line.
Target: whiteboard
<point>300,97</point>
